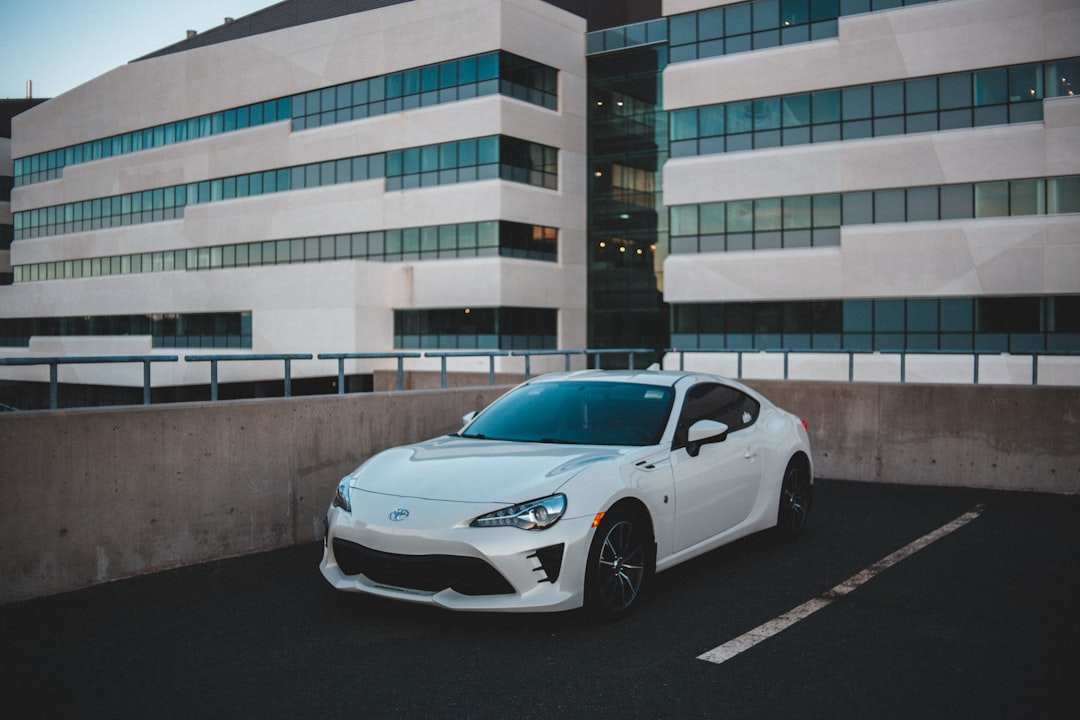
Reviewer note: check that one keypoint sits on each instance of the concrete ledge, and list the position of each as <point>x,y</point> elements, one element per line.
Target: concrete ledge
<point>1000,437</point>
<point>89,496</point>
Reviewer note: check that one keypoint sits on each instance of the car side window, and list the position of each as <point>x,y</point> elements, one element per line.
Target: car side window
<point>712,401</point>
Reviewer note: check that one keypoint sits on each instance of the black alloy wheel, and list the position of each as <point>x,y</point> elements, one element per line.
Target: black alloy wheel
<point>795,495</point>
<point>618,565</point>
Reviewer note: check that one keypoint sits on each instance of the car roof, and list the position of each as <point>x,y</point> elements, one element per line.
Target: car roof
<point>666,378</point>
<point>662,378</point>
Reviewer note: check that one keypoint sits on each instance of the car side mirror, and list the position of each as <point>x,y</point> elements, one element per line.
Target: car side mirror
<point>704,432</point>
<point>468,417</point>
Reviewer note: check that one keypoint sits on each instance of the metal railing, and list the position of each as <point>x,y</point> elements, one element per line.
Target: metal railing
<point>902,356</point>
<point>215,359</point>
<point>55,362</point>
<point>342,357</point>
<point>596,355</point>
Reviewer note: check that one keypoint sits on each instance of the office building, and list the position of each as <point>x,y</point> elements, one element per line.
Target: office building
<point>817,176</point>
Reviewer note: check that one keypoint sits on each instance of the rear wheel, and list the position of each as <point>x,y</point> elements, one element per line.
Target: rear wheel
<point>618,565</point>
<point>795,495</point>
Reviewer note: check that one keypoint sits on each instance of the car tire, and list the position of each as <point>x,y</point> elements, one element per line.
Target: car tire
<point>619,565</point>
<point>796,492</point>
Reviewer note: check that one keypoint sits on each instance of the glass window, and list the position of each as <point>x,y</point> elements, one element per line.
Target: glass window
<point>426,80</point>
<point>710,24</point>
<point>888,316</point>
<point>767,214</point>
<point>796,110</point>
<point>711,120</point>
<point>991,87</point>
<point>922,204</point>
<point>682,29</point>
<point>857,103</point>
<point>1062,77</point>
<point>737,18</point>
<point>487,150</point>
<point>766,14</point>
<point>955,91</point>
<point>740,216</point>
<point>767,114</point>
<point>1026,197</point>
<point>889,206</point>
<point>684,220</point>
<point>858,208</point>
<point>712,218</point>
<point>797,212</point>
<point>922,315</point>
<point>991,199</point>
<point>740,117</point>
<point>1025,83</point>
<point>1063,195</point>
<point>488,67</point>
<point>889,99</point>
<point>684,124</point>
<point>858,316</point>
<point>957,202</point>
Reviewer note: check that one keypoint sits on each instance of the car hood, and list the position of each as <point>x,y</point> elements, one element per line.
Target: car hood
<point>482,471</point>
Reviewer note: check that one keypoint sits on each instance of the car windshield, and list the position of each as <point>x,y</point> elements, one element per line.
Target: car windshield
<point>577,413</point>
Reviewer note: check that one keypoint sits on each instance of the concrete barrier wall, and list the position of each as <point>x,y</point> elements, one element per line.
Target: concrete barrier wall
<point>89,496</point>
<point>1001,437</point>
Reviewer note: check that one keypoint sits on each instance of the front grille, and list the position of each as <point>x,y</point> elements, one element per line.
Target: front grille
<point>430,573</point>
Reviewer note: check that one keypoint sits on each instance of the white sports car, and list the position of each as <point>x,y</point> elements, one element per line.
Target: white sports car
<point>569,491</point>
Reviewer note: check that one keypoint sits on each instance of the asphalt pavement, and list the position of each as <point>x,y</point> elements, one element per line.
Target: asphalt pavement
<point>981,623</point>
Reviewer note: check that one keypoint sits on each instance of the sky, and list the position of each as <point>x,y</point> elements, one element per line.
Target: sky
<point>60,44</point>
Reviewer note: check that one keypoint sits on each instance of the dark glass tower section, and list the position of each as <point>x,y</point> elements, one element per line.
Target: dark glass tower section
<point>627,224</point>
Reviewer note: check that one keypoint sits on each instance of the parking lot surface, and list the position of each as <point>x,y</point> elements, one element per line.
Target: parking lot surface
<point>982,622</point>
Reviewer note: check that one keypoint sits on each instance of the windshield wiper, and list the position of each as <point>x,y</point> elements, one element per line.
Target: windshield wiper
<point>477,436</point>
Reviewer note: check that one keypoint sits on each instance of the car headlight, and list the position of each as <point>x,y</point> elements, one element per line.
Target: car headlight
<point>532,515</point>
<point>342,496</point>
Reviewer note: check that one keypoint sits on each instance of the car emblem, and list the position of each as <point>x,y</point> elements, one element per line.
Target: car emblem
<point>398,515</point>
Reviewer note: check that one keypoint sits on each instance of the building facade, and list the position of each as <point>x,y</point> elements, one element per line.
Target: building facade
<point>878,176</point>
<point>8,110</point>
<point>819,176</point>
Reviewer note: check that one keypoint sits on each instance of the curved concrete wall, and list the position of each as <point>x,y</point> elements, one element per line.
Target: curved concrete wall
<point>89,496</point>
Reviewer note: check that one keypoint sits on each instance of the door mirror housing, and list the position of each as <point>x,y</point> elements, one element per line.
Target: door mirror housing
<point>704,432</point>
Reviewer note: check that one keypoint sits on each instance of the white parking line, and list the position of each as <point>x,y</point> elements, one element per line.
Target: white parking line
<point>748,640</point>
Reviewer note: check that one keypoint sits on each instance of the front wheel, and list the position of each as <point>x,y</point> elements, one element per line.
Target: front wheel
<point>795,495</point>
<point>617,567</point>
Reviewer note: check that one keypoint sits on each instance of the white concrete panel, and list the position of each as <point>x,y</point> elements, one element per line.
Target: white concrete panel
<point>762,365</point>
<point>298,59</point>
<point>1008,369</point>
<point>725,364</point>
<point>1009,256</point>
<point>756,275</point>
<point>1059,371</point>
<point>876,367</point>
<point>487,282</point>
<point>938,369</point>
<point>818,366</point>
<point>941,158</point>
<point>678,7</point>
<point>882,367</point>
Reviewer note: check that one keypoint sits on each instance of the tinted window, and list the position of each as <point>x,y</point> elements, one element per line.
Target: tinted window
<point>578,413</point>
<point>710,401</point>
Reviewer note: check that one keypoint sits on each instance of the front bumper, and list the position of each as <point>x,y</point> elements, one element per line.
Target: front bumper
<point>457,566</point>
